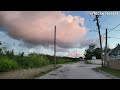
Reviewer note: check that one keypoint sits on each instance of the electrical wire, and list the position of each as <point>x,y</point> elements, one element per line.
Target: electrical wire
<point>113,28</point>
<point>114,37</point>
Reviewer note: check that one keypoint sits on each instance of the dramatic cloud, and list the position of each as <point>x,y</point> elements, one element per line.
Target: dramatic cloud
<point>37,27</point>
<point>75,54</point>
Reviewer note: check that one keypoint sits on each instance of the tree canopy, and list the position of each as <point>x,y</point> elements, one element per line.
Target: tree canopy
<point>93,51</point>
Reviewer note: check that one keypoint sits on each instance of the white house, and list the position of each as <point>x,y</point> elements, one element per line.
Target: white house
<point>114,54</point>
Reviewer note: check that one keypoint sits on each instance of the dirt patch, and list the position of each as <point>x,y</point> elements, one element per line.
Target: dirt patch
<point>26,73</point>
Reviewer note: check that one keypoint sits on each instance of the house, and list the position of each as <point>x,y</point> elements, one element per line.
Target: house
<point>113,58</point>
<point>93,57</point>
<point>114,54</point>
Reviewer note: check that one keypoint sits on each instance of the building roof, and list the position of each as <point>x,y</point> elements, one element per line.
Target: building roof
<point>113,51</point>
<point>110,51</point>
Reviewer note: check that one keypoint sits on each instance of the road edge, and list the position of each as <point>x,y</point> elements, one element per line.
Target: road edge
<point>45,72</point>
<point>106,74</point>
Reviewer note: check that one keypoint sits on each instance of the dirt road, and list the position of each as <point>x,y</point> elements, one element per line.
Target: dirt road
<point>77,70</point>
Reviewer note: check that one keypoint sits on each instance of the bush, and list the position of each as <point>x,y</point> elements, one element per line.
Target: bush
<point>87,62</point>
<point>61,61</point>
<point>6,65</point>
<point>32,61</point>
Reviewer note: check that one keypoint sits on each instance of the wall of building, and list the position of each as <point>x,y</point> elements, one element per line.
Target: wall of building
<point>114,64</point>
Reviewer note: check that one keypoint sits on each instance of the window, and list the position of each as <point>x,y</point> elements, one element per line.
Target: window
<point>119,52</point>
<point>118,57</point>
<point>112,57</point>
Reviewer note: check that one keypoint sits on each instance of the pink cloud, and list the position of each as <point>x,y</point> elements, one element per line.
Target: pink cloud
<point>37,27</point>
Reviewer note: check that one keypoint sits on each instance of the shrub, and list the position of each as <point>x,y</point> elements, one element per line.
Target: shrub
<point>87,62</point>
<point>61,61</point>
<point>10,54</point>
<point>6,65</point>
<point>32,61</point>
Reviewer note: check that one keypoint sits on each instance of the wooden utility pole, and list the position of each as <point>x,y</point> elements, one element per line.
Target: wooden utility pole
<point>106,49</point>
<point>55,47</point>
<point>97,23</point>
<point>76,53</point>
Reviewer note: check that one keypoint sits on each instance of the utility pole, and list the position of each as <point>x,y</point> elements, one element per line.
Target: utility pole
<point>106,50</point>
<point>97,23</point>
<point>55,47</point>
<point>76,53</point>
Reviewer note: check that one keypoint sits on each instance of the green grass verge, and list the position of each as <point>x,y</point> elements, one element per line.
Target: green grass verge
<point>44,72</point>
<point>111,71</point>
<point>87,62</point>
<point>70,62</point>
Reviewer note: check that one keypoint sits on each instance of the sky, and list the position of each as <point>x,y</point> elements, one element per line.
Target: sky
<point>33,31</point>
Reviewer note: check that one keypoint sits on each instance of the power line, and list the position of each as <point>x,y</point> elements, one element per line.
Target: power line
<point>111,29</point>
<point>114,37</point>
<point>89,20</point>
<point>107,22</point>
<point>103,20</point>
<point>93,30</point>
<point>116,30</point>
<point>77,41</point>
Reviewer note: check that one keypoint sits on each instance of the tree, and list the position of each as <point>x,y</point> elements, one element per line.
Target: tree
<point>33,54</point>
<point>21,54</point>
<point>108,49</point>
<point>0,48</point>
<point>9,53</point>
<point>97,53</point>
<point>92,47</point>
<point>92,51</point>
<point>89,52</point>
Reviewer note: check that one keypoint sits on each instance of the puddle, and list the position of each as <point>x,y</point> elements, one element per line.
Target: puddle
<point>95,69</point>
<point>53,74</point>
<point>61,71</point>
<point>81,66</point>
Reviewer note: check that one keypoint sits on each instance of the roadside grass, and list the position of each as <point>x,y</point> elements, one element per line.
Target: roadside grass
<point>110,71</point>
<point>26,62</point>
<point>70,62</point>
<point>44,72</point>
<point>87,62</point>
<point>31,73</point>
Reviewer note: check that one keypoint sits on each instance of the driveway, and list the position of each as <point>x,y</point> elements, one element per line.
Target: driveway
<point>97,61</point>
<point>77,70</point>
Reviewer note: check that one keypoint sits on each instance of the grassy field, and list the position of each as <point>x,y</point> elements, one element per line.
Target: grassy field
<point>111,71</point>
